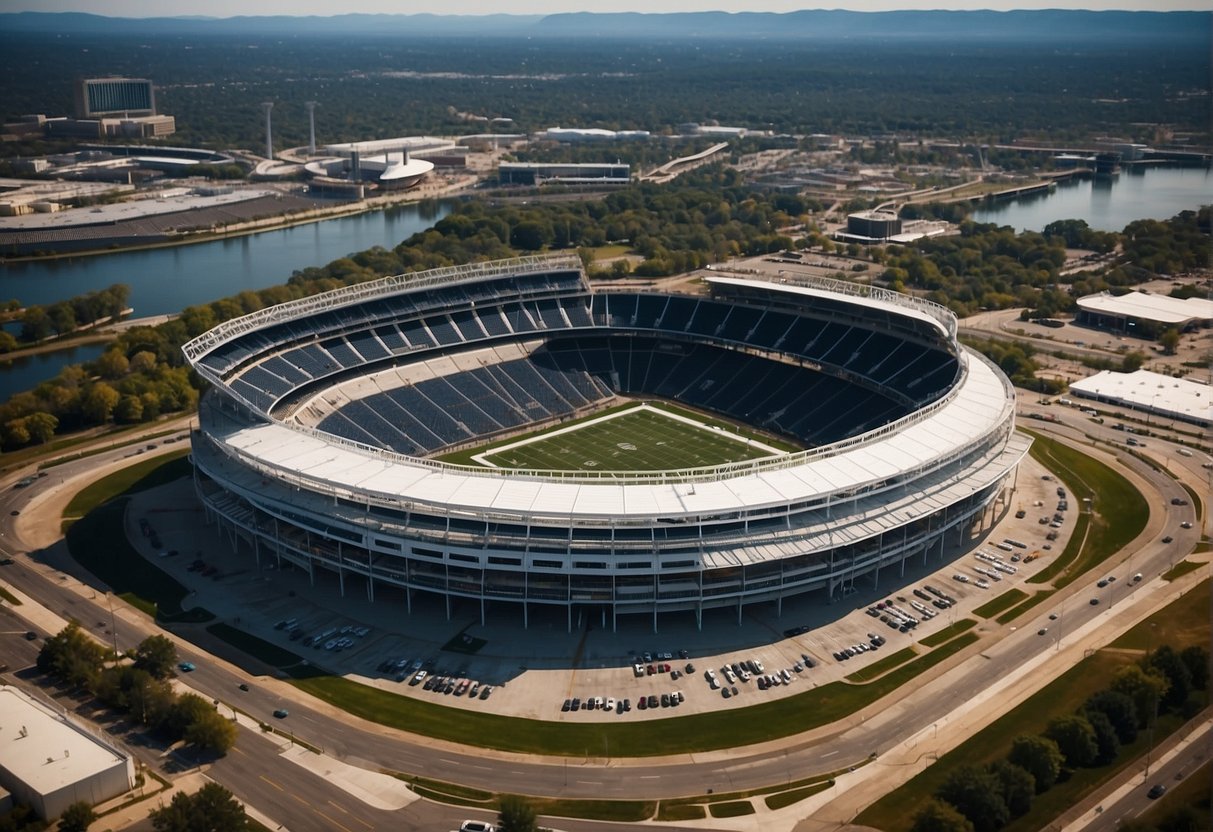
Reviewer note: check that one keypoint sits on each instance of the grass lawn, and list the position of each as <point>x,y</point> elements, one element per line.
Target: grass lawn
<point>97,540</point>
<point>1180,569</point>
<point>256,647</point>
<point>1183,622</point>
<point>694,732</point>
<point>735,809</point>
<point>936,639</point>
<point>637,440</point>
<point>1119,514</point>
<point>895,811</point>
<point>141,476</point>
<point>1003,602</point>
<point>98,543</point>
<point>1013,613</point>
<point>884,665</point>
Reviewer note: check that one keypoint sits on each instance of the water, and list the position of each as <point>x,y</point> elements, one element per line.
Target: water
<point>167,280</point>
<point>1108,203</point>
<point>27,373</point>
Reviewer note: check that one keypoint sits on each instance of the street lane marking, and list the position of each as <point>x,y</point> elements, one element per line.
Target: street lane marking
<point>337,807</point>
<point>301,800</point>
<point>335,823</point>
<point>271,782</point>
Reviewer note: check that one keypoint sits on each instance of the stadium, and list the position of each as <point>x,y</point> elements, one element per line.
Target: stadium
<point>509,438</point>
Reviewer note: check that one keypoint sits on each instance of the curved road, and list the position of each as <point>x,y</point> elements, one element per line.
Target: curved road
<point>880,727</point>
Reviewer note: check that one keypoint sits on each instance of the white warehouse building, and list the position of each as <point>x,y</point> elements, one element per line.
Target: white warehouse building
<point>49,762</point>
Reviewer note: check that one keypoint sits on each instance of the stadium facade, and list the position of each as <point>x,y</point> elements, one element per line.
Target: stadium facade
<point>316,443</point>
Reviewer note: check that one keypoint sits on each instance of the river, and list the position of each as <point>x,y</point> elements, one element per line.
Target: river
<point>166,280</point>
<point>1108,203</point>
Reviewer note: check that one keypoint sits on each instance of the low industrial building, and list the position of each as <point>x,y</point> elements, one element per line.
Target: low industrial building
<point>49,762</point>
<point>1152,393</point>
<point>540,173</point>
<point>1143,314</point>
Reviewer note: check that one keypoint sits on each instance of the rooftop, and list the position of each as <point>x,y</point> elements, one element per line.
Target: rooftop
<point>1161,309</point>
<point>43,749</point>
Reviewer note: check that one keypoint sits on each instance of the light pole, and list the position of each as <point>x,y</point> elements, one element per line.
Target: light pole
<point>113,625</point>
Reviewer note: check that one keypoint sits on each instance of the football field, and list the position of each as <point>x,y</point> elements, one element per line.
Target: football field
<point>642,438</point>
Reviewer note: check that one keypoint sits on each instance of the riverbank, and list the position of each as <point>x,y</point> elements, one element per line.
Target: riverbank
<point>443,188</point>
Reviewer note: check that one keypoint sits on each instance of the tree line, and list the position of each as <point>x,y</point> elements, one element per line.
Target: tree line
<point>64,317</point>
<point>709,216</point>
<point>137,684</point>
<point>985,798</point>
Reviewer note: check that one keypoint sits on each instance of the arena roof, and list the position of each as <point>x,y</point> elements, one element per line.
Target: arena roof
<point>44,750</point>
<point>1160,309</point>
<point>876,298</point>
<point>920,440</point>
<point>1153,392</point>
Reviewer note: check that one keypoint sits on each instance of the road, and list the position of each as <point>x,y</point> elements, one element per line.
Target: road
<point>296,794</point>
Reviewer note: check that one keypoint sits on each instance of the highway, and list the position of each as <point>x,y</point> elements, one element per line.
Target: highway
<point>299,799</point>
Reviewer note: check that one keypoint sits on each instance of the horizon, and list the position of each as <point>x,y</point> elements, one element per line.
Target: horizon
<point>225,9</point>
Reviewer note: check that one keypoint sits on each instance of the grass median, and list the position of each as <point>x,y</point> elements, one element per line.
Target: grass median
<point>1119,515</point>
<point>96,537</point>
<point>1183,622</point>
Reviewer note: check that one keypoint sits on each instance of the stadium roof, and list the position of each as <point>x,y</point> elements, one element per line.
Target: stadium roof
<point>1153,392</point>
<point>1160,309</point>
<point>43,749</point>
<point>978,407</point>
<point>890,302</point>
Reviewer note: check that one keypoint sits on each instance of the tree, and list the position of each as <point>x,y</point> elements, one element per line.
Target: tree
<point>516,815</point>
<point>99,401</point>
<point>111,364</point>
<point>1120,711</point>
<point>1075,738</point>
<point>1018,786</point>
<point>188,709</point>
<point>937,816</point>
<point>211,809</point>
<point>210,731</point>
<point>1196,658</point>
<point>1169,341</point>
<point>77,817</point>
<point>1105,737</point>
<point>1179,681</point>
<point>41,427</point>
<point>976,794</point>
<point>1145,688</point>
<point>1040,757</point>
<point>156,654</point>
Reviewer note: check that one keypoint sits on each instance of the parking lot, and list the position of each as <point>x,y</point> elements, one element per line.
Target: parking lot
<point>536,672</point>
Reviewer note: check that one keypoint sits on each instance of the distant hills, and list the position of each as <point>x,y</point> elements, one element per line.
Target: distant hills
<point>1040,26</point>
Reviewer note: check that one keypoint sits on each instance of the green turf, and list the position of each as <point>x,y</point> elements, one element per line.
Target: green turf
<point>639,440</point>
<point>936,639</point>
<point>886,664</point>
<point>994,606</point>
<point>1180,569</point>
<point>1120,510</point>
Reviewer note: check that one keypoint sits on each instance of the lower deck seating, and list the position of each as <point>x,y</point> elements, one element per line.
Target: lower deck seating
<point>567,374</point>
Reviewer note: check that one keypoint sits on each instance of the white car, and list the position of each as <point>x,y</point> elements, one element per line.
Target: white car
<point>477,826</point>
<point>610,703</point>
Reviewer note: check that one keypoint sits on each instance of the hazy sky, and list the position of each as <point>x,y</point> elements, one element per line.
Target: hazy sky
<point>230,8</point>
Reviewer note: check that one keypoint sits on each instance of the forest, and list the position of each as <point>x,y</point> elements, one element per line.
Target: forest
<point>377,86</point>
<point>710,216</point>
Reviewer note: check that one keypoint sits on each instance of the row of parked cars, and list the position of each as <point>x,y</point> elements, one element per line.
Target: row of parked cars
<point>874,642</point>
<point>451,685</point>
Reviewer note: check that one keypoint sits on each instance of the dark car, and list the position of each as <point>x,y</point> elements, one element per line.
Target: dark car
<point>243,686</point>
<point>281,713</point>
<point>1156,791</point>
<point>796,631</point>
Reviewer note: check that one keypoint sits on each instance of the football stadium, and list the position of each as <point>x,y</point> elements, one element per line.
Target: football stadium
<point>514,440</point>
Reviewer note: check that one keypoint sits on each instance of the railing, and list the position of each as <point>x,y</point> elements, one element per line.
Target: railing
<point>689,476</point>
<point>861,290</point>
<point>348,295</point>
